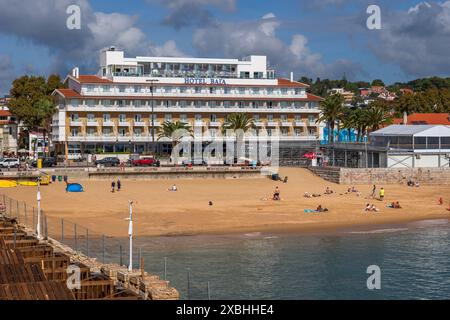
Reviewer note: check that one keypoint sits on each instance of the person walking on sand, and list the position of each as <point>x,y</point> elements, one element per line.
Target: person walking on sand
<point>381,193</point>
<point>113,185</point>
<point>374,189</point>
<point>119,184</point>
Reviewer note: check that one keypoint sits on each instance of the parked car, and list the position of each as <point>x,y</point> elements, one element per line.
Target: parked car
<point>194,162</point>
<point>10,163</point>
<point>150,162</point>
<point>47,162</point>
<point>108,162</point>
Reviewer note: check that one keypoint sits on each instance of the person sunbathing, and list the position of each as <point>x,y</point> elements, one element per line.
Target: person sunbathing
<point>307,195</point>
<point>328,191</point>
<point>367,207</point>
<point>173,188</point>
<point>373,208</point>
<point>320,209</point>
<point>315,195</point>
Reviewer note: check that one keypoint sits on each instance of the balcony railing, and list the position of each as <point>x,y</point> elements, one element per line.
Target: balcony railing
<point>76,123</point>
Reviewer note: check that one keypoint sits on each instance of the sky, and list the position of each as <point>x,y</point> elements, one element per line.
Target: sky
<point>314,38</point>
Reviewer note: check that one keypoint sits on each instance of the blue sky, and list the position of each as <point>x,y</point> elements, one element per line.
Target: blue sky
<point>321,38</point>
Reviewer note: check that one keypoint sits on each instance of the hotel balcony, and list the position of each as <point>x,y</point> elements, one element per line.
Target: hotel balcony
<point>286,124</point>
<point>259,124</point>
<point>299,124</point>
<point>312,123</point>
<point>155,123</point>
<point>272,124</point>
<point>199,123</point>
<point>108,124</point>
<point>92,123</point>
<point>139,123</point>
<point>215,124</point>
<point>124,123</point>
<point>76,123</point>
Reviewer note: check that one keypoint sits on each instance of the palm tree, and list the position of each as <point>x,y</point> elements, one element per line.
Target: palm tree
<point>377,115</point>
<point>174,131</point>
<point>240,123</point>
<point>348,120</point>
<point>332,109</point>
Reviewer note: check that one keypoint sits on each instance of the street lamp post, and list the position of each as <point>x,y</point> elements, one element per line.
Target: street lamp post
<point>152,81</point>
<point>130,234</point>
<point>367,155</point>
<point>38,225</point>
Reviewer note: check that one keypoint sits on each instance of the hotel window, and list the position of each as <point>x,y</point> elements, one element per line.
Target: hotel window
<point>121,103</point>
<point>241,104</point>
<point>106,117</point>
<point>297,132</point>
<point>226,104</point>
<point>270,117</point>
<point>226,90</point>
<point>90,88</point>
<point>212,104</point>
<point>183,118</point>
<point>137,103</point>
<point>182,104</point>
<point>74,132</point>
<point>283,91</point>
<point>255,90</point>
<point>256,117</point>
<point>284,131</point>
<point>168,117</point>
<point>168,89</point>
<point>74,103</point>
<point>138,132</point>
<point>106,103</point>
<point>284,118</point>
<point>136,89</point>
<point>298,117</point>
<point>311,118</point>
<point>121,88</point>
<point>106,132</point>
<point>74,117</point>
<point>198,90</point>
<point>183,89</point>
<point>90,103</point>
<point>269,132</point>
<point>90,117</point>
<point>137,118</point>
<point>241,90</point>
<point>245,75</point>
<point>283,104</point>
<point>122,117</point>
<point>91,131</point>
<point>122,132</point>
<point>297,91</point>
<point>312,131</point>
<point>212,90</point>
<point>269,104</point>
<point>213,118</point>
<point>106,88</point>
<point>198,117</point>
<point>269,90</point>
<point>312,105</point>
<point>257,75</point>
<point>213,133</point>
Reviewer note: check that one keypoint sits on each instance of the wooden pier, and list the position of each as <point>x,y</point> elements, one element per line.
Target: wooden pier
<point>32,269</point>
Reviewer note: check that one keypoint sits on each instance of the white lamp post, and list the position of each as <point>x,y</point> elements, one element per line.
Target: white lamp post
<point>38,226</point>
<point>130,233</point>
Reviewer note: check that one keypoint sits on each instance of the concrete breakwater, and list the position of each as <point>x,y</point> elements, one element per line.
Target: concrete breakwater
<point>140,173</point>
<point>430,176</point>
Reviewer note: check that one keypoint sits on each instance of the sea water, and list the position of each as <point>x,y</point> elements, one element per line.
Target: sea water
<point>414,261</point>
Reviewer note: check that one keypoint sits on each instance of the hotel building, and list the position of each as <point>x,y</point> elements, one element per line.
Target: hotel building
<point>112,111</point>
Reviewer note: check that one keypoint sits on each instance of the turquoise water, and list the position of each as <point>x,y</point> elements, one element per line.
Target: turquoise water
<point>414,260</point>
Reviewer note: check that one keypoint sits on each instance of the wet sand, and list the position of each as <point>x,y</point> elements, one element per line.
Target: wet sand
<point>239,205</point>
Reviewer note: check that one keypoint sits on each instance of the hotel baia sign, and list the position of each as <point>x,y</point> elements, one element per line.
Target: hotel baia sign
<point>205,81</point>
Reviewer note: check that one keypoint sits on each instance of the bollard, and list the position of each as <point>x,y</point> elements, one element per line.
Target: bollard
<point>103,249</point>
<point>87,242</point>
<point>75,235</point>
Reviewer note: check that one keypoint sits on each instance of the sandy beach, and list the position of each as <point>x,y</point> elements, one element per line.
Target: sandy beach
<point>239,205</point>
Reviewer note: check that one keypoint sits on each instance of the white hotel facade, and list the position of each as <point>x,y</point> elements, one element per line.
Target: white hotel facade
<point>112,111</point>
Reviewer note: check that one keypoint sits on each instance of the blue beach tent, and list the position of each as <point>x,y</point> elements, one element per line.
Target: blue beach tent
<point>74,187</point>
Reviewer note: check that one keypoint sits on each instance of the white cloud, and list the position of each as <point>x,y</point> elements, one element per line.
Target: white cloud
<point>235,40</point>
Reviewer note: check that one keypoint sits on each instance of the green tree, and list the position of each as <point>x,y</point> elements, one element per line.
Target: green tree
<point>332,110</point>
<point>377,114</point>
<point>348,120</point>
<point>239,123</point>
<point>377,83</point>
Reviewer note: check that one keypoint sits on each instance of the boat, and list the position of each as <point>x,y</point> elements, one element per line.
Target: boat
<point>45,180</point>
<point>28,183</point>
<point>8,183</point>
